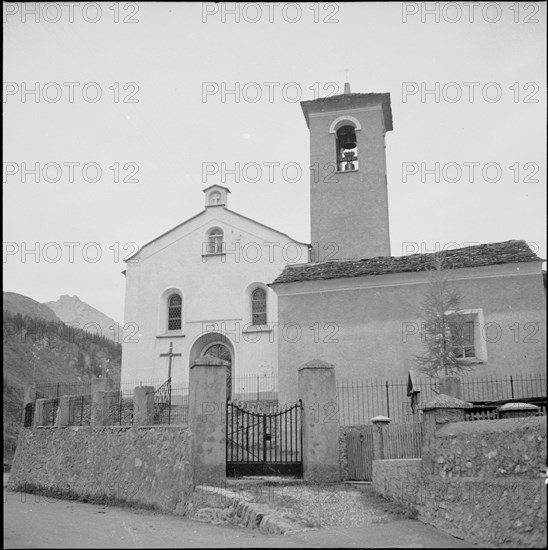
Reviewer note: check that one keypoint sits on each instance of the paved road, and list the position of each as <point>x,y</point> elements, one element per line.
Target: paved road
<point>32,521</point>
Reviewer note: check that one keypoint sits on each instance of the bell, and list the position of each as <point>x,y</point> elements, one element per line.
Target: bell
<point>347,137</point>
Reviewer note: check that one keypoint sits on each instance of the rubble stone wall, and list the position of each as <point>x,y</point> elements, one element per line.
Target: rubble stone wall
<point>145,466</point>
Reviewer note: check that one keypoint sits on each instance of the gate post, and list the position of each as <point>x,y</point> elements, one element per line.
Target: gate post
<point>98,413</point>
<point>41,413</point>
<point>378,436</point>
<point>206,419</point>
<point>29,397</point>
<point>318,391</point>
<point>143,406</point>
<point>63,416</point>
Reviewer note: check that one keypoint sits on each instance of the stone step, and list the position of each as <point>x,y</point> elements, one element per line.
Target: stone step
<point>224,505</point>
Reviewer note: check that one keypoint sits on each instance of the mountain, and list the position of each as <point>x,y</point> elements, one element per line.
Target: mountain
<point>17,303</point>
<point>71,310</point>
<point>40,351</point>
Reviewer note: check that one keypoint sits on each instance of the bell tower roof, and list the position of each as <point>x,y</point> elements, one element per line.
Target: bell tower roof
<point>346,102</point>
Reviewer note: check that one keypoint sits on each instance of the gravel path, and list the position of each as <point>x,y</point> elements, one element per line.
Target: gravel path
<point>335,505</point>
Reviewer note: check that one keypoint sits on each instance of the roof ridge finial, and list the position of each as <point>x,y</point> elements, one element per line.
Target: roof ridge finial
<point>347,83</point>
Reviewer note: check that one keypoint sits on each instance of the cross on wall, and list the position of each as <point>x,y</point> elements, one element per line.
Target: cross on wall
<point>171,355</point>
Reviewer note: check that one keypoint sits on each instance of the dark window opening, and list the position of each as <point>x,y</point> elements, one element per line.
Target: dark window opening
<point>258,307</point>
<point>175,310</point>
<point>347,149</point>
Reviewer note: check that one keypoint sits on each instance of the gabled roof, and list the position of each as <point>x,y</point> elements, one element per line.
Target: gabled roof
<point>199,214</point>
<point>216,185</point>
<point>470,256</point>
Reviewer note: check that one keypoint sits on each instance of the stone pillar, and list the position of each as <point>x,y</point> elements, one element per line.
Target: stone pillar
<point>517,410</point>
<point>451,386</point>
<point>98,387</point>
<point>63,416</point>
<point>28,397</point>
<point>380,423</point>
<point>318,391</point>
<point>436,413</point>
<point>143,406</point>
<point>207,419</point>
<point>41,412</point>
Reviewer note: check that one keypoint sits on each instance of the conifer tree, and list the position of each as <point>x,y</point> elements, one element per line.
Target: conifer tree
<point>442,327</point>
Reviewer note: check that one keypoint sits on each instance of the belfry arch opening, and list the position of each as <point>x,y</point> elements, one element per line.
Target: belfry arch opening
<point>346,149</point>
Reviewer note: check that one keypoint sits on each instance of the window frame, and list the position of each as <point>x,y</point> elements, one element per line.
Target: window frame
<point>474,316</point>
<point>215,198</point>
<point>218,242</point>
<point>171,318</point>
<point>264,311</point>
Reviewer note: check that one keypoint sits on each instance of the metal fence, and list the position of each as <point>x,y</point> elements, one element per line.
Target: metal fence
<point>51,409</point>
<point>496,388</point>
<point>171,404</point>
<point>361,400</point>
<point>80,411</point>
<point>57,389</point>
<point>29,414</point>
<point>120,412</point>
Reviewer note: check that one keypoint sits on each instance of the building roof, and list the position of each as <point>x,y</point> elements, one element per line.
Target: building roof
<point>470,256</point>
<point>202,212</point>
<point>349,101</point>
<point>216,185</point>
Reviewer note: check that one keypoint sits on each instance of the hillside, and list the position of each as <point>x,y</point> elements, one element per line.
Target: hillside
<point>17,303</point>
<point>39,351</point>
<point>72,310</point>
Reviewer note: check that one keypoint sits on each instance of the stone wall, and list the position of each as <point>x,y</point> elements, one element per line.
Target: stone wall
<point>146,466</point>
<point>485,481</point>
<point>396,479</point>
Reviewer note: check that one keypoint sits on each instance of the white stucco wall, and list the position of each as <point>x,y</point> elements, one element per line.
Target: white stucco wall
<point>216,294</point>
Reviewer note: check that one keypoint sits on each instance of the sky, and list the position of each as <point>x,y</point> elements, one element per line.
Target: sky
<point>126,111</point>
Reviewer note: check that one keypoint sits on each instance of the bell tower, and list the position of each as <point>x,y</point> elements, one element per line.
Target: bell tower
<point>348,184</point>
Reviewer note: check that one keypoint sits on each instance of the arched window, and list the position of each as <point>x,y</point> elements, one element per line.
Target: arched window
<point>347,149</point>
<point>215,198</point>
<point>175,312</point>
<point>215,240</point>
<point>258,307</point>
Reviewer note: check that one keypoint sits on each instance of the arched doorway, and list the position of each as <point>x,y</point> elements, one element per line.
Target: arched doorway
<point>221,351</point>
<point>217,345</point>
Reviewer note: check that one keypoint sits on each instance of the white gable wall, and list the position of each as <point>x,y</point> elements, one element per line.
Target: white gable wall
<point>215,289</point>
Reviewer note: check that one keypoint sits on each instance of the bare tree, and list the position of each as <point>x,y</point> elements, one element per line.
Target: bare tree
<point>442,329</point>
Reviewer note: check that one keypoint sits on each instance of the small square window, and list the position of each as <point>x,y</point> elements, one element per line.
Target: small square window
<point>466,330</point>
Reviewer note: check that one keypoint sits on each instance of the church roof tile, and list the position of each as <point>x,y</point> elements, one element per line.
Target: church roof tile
<point>471,256</point>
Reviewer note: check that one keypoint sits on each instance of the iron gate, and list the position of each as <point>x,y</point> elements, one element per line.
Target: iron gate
<point>260,443</point>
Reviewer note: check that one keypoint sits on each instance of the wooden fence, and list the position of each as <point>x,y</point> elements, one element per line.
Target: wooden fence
<point>396,440</point>
<point>402,440</point>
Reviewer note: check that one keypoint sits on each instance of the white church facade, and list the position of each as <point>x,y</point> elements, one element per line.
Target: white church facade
<point>201,289</point>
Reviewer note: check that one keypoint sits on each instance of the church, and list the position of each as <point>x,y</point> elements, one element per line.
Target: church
<point>344,299</point>
<point>201,288</point>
